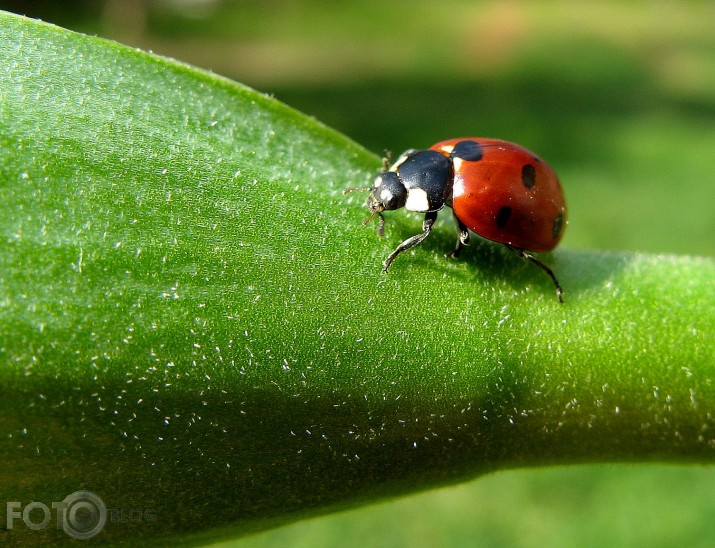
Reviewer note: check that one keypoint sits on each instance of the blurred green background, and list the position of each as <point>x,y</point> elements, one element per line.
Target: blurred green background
<point>619,96</point>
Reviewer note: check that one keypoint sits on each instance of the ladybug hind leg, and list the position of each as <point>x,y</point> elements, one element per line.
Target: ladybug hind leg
<point>550,273</point>
<point>427,224</point>
<point>462,238</point>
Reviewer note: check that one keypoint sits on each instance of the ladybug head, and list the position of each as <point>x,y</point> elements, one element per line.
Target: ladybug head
<point>387,193</point>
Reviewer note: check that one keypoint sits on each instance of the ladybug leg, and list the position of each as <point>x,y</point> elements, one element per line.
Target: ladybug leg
<point>542,266</point>
<point>380,225</point>
<point>462,238</point>
<point>386,161</point>
<point>427,224</point>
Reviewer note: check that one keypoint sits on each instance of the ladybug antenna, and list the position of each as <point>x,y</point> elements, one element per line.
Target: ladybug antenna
<point>380,222</point>
<point>374,210</point>
<point>367,221</point>
<point>349,190</point>
<point>372,214</point>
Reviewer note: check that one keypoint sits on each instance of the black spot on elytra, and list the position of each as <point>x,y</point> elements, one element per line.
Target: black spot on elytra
<point>467,150</point>
<point>528,175</point>
<point>503,216</point>
<point>557,226</point>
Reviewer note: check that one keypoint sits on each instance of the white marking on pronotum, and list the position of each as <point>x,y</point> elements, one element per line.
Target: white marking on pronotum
<point>401,160</point>
<point>417,200</point>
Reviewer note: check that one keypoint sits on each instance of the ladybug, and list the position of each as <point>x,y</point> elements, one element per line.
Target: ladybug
<point>498,190</point>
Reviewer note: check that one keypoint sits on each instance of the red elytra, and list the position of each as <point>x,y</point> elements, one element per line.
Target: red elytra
<point>508,195</point>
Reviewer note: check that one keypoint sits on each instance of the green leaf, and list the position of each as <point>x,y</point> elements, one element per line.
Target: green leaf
<point>194,325</point>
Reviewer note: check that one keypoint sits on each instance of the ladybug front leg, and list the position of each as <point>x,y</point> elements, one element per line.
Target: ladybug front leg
<point>462,238</point>
<point>427,224</point>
